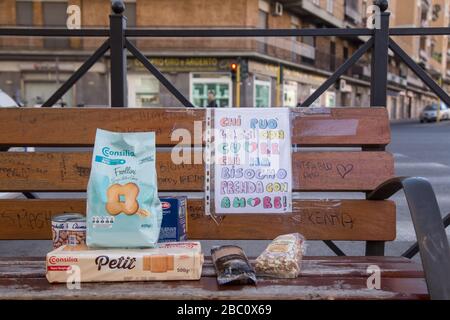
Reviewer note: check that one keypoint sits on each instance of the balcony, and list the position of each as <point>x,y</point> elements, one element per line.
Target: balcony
<point>305,50</point>
<point>437,56</point>
<point>325,61</point>
<point>367,71</point>
<point>403,81</point>
<point>423,55</point>
<point>393,77</point>
<point>283,47</point>
<point>414,81</point>
<point>309,9</point>
<point>353,14</point>
<point>426,4</point>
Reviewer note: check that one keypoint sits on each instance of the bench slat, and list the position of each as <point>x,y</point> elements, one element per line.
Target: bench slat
<point>315,219</point>
<point>76,126</point>
<point>312,266</point>
<point>312,171</point>
<point>207,288</point>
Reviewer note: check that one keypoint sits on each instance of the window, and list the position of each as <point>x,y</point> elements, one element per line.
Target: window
<point>261,95</point>
<point>316,103</point>
<point>330,5</point>
<point>332,55</point>
<point>207,86</point>
<point>295,27</point>
<point>55,15</point>
<point>37,92</point>
<point>364,12</point>
<point>143,91</point>
<point>423,42</point>
<point>352,4</point>
<point>330,99</point>
<point>263,23</point>
<point>290,89</point>
<point>309,40</point>
<point>24,13</point>
<point>130,13</point>
<point>308,51</point>
<point>263,20</point>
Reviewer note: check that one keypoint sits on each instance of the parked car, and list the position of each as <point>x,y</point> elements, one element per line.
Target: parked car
<point>430,113</point>
<point>6,101</point>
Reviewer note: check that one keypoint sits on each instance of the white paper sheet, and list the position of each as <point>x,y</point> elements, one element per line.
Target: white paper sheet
<point>252,160</point>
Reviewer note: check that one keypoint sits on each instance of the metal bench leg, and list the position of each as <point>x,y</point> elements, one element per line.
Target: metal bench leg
<point>414,249</point>
<point>330,244</point>
<point>431,237</point>
<point>375,248</point>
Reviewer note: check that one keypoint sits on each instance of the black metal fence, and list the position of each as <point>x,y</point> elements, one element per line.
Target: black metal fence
<point>117,43</point>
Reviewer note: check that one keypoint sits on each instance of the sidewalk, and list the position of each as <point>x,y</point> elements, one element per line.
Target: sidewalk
<point>400,121</point>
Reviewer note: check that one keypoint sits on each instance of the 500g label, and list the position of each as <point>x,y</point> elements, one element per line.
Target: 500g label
<point>246,309</point>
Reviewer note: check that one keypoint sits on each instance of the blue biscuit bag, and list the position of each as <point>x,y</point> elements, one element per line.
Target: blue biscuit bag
<point>123,208</point>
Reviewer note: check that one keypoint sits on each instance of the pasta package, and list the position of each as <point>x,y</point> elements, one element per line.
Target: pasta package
<point>123,208</point>
<point>282,258</point>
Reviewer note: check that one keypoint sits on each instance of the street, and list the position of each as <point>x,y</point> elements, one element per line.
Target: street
<point>419,150</point>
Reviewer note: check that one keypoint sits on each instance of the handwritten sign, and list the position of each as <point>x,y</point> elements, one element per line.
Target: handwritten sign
<point>252,161</point>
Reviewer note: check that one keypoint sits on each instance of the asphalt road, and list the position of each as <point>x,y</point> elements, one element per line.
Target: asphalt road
<point>419,150</point>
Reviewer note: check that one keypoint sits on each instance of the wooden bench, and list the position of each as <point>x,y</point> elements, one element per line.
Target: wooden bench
<point>361,169</point>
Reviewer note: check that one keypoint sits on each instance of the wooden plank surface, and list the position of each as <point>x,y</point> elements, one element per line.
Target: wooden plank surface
<point>312,266</point>
<point>329,288</point>
<point>315,219</point>
<point>312,171</point>
<point>320,278</point>
<point>76,126</point>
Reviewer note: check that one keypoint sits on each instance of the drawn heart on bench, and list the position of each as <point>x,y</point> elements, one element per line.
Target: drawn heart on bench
<point>344,170</point>
<point>253,202</point>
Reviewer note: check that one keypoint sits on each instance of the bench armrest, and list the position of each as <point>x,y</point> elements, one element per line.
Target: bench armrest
<point>430,232</point>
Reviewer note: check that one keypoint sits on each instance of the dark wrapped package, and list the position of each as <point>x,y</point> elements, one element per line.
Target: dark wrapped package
<point>232,265</point>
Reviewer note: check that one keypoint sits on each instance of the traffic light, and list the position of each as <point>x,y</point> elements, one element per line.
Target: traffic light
<point>233,69</point>
<point>244,69</point>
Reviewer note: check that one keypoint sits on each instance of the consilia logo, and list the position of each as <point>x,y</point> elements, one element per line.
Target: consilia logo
<point>107,152</point>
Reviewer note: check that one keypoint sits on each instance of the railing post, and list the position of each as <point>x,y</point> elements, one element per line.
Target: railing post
<point>117,25</point>
<point>378,83</point>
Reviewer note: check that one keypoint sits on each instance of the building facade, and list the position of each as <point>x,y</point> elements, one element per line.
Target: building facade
<point>272,71</point>
<point>430,52</point>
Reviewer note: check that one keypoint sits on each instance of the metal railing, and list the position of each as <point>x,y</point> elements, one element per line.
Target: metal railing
<point>117,43</point>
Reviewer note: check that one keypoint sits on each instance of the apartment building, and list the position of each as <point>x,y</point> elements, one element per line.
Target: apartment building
<point>428,51</point>
<point>274,71</point>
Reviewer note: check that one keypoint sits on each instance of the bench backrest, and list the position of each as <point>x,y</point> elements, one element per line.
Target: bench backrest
<point>331,170</point>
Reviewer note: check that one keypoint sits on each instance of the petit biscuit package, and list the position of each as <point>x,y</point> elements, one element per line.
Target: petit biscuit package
<point>168,261</point>
<point>123,208</point>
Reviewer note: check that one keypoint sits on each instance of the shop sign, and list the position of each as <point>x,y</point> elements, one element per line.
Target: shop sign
<point>183,64</point>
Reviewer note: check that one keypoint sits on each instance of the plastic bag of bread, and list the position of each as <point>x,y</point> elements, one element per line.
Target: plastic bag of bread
<point>282,258</point>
